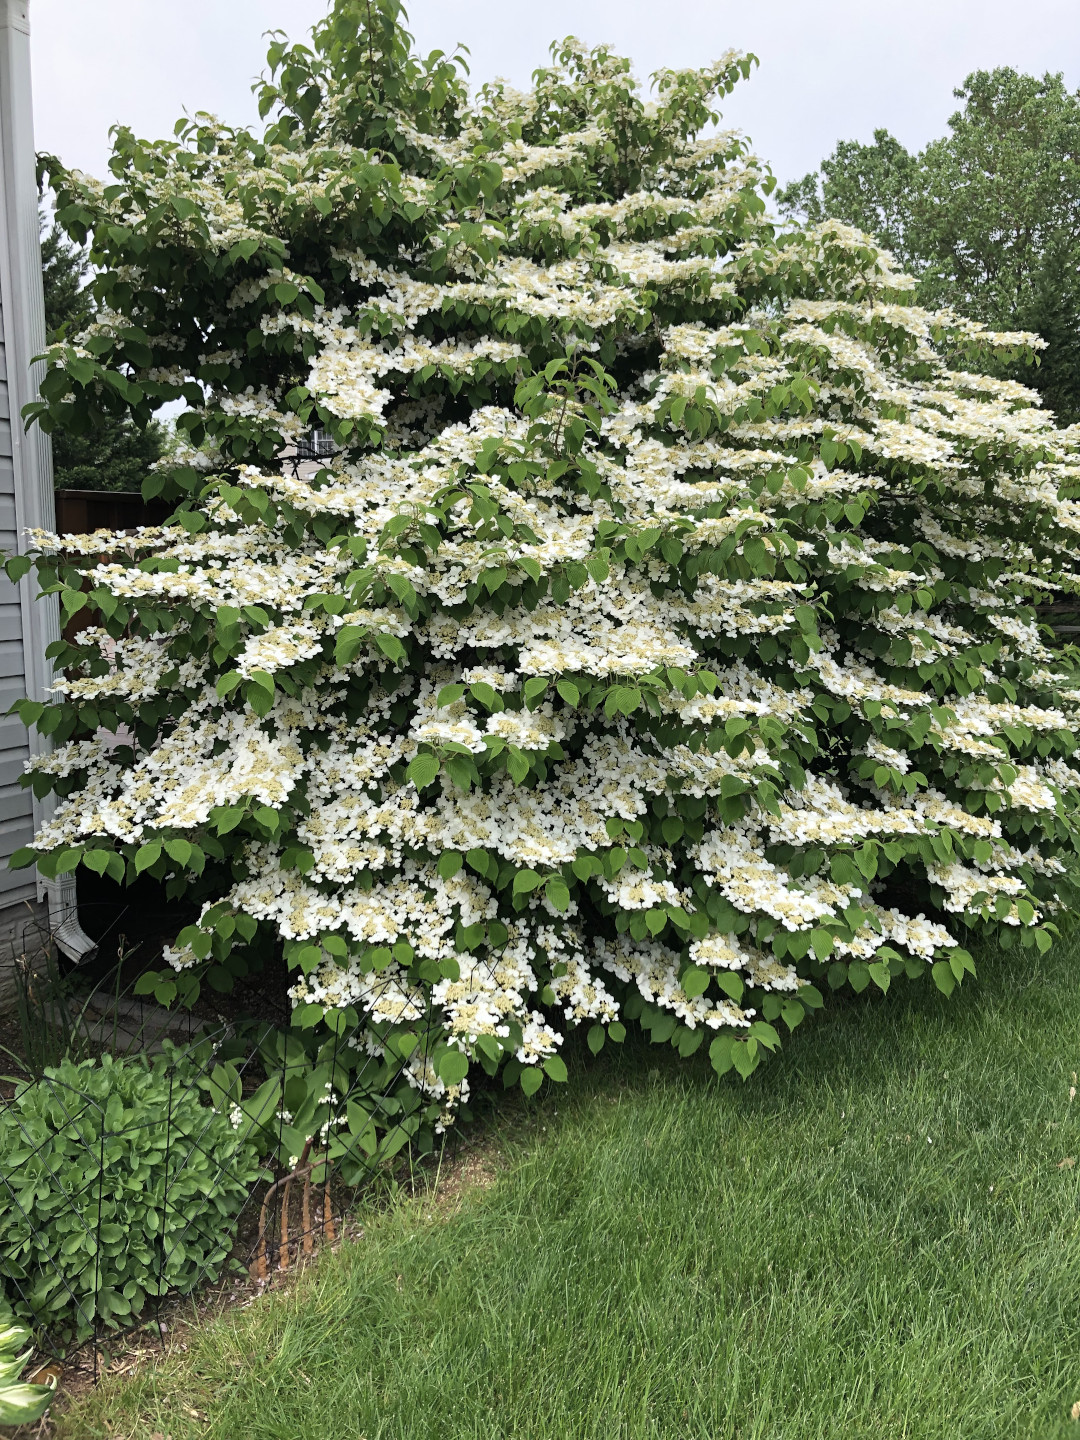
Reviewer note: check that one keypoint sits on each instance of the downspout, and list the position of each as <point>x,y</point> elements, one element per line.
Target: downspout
<point>24,334</point>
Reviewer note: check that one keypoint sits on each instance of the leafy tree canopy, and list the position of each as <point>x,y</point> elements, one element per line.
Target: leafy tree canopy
<point>113,453</point>
<point>659,644</point>
<point>987,218</point>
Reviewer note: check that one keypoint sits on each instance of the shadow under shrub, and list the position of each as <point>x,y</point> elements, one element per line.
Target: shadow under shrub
<point>119,1184</point>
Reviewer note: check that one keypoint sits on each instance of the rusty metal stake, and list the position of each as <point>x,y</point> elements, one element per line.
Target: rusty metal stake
<point>258,1268</point>
<point>327,1210</point>
<point>283,1249</point>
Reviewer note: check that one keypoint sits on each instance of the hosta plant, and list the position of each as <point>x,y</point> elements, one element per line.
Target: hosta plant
<point>659,642</point>
<point>21,1402</point>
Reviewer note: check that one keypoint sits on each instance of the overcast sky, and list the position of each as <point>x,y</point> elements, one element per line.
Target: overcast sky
<point>830,69</point>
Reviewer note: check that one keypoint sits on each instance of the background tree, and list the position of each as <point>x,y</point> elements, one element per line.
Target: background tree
<point>112,452</point>
<point>988,217</point>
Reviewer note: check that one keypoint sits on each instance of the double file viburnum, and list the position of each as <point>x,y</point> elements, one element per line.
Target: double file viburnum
<point>659,640</point>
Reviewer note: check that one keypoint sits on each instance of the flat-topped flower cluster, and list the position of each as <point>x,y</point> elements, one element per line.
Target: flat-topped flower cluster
<point>660,641</point>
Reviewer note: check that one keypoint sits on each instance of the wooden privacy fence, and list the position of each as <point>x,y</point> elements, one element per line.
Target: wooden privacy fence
<point>80,511</point>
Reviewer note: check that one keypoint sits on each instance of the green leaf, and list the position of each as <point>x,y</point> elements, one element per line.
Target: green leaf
<point>349,640</point>
<point>450,862</point>
<point>453,1067</point>
<point>880,975</point>
<point>486,694</point>
<point>226,818</point>
<point>822,942</point>
<point>596,1038</point>
<point>655,920</point>
<point>68,860</point>
<point>23,1404</point>
<point>744,1057</point>
<point>555,1067</point>
<point>720,1054</point>
<point>258,698</point>
<point>179,850</point>
<point>732,984</point>
<point>29,711</point>
<point>147,855</point>
<point>858,976</point>
<point>765,1033</point>
<point>558,892</point>
<point>695,981</point>
<point>228,683</point>
<point>943,977</point>
<point>422,771</point>
<point>17,566</point>
<point>480,861</point>
<point>391,647</point>
<point>531,1079</point>
<point>517,765</point>
<point>793,1013</point>
<point>689,1041</point>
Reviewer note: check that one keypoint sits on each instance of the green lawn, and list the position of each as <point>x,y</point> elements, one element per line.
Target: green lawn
<point>872,1237</point>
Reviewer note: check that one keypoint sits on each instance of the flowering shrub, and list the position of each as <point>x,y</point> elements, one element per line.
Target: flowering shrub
<point>660,639</point>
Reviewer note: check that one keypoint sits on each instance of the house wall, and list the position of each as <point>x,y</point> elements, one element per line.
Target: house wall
<point>29,910</point>
<point>16,804</point>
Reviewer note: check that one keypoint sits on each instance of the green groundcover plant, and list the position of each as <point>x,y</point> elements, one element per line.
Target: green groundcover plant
<point>119,1184</point>
<point>657,644</point>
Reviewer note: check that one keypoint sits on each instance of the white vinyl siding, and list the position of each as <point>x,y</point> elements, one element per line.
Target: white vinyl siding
<point>16,804</point>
